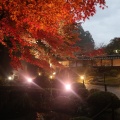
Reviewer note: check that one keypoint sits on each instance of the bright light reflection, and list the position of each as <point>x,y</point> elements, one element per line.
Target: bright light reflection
<point>29,80</point>
<point>68,87</point>
<point>51,77</point>
<point>82,77</point>
<point>54,73</point>
<point>9,78</point>
<point>39,74</point>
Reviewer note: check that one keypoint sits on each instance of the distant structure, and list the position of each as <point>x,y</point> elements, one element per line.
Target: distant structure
<point>99,61</point>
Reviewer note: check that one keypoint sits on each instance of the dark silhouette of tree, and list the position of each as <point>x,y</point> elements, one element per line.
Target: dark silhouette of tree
<point>86,42</point>
<point>4,61</point>
<point>113,47</point>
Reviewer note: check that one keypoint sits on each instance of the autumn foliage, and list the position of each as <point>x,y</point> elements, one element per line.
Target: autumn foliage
<point>39,31</point>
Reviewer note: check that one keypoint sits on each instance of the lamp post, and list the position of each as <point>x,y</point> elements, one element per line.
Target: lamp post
<point>10,78</point>
<point>51,78</point>
<point>82,78</point>
<point>105,86</point>
<point>29,81</point>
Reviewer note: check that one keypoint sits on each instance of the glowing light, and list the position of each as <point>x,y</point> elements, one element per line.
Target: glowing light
<point>51,77</point>
<point>68,87</point>
<point>54,73</point>
<point>82,77</point>
<point>39,74</point>
<point>29,80</point>
<point>9,78</point>
<point>50,64</point>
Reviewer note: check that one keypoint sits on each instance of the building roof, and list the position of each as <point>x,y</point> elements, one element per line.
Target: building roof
<point>115,56</point>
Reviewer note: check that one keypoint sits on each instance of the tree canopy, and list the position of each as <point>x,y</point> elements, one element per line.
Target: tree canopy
<point>85,42</point>
<point>113,47</point>
<point>38,31</point>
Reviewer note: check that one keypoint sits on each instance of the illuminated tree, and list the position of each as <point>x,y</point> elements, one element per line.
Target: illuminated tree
<point>34,30</point>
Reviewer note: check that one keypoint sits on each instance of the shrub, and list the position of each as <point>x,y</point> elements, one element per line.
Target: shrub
<point>113,73</point>
<point>81,118</point>
<point>91,91</point>
<point>100,100</point>
<point>80,90</point>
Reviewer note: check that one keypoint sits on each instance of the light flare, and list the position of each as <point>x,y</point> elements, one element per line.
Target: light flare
<point>29,80</point>
<point>68,87</point>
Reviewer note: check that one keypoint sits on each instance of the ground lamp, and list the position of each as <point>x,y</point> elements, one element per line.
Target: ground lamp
<point>82,78</point>
<point>10,77</point>
<point>29,80</point>
<point>105,86</point>
<point>68,87</point>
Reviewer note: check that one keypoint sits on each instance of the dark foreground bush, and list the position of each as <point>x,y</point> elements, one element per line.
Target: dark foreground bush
<point>102,100</point>
<point>81,118</point>
<point>91,91</point>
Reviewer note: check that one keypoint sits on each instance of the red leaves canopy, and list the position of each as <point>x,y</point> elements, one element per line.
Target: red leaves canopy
<point>36,29</point>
